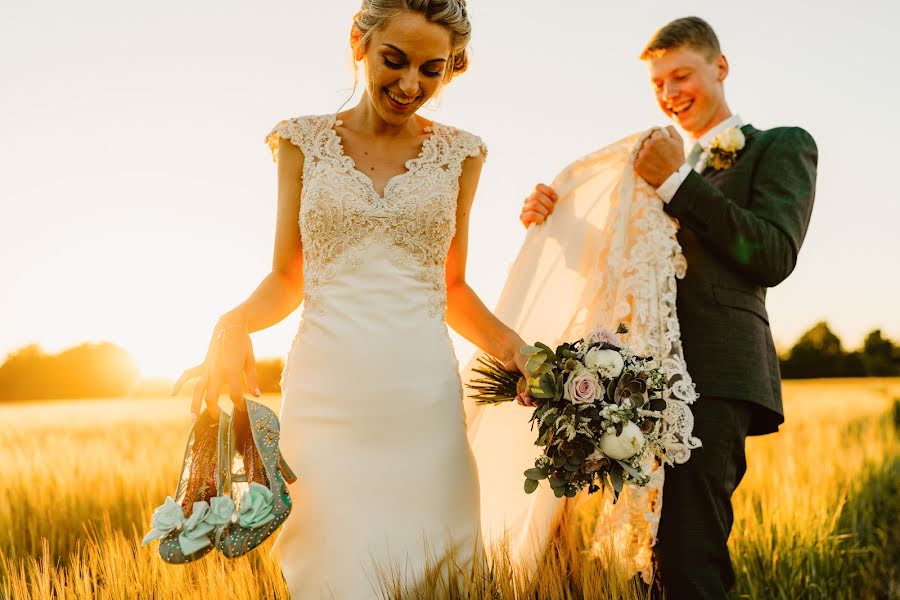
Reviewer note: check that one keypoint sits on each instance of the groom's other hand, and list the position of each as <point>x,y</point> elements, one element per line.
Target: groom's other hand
<point>538,205</point>
<point>661,154</point>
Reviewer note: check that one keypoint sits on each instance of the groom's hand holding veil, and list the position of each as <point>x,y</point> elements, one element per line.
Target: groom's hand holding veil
<point>229,361</point>
<point>660,155</point>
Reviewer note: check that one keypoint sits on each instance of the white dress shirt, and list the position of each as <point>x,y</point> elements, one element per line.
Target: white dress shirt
<point>670,186</point>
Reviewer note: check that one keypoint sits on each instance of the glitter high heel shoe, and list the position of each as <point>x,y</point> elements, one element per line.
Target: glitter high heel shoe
<point>257,462</point>
<point>186,525</point>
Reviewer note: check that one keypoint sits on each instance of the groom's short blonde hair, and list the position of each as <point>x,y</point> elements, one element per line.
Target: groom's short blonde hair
<point>690,32</point>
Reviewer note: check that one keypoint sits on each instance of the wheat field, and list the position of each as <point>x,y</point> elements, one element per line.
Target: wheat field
<point>816,516</point>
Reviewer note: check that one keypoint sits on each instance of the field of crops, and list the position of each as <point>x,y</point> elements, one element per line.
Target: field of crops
<point>817,514</point>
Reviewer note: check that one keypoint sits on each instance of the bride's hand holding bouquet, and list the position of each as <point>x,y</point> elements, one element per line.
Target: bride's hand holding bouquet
<point>598,410</point>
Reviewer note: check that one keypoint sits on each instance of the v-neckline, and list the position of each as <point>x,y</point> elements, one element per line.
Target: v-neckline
<point>350,162</point>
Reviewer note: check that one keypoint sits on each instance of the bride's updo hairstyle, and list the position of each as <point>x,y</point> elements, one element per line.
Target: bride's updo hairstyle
<point>451,14</point>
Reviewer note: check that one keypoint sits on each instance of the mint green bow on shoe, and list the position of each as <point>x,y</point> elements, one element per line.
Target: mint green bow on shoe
<point>256,506</point>
<point>194,531</point>
<point>199,495</point>
<point>265,502</point>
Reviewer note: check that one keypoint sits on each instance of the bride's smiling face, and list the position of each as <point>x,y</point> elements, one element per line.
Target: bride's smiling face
<point>689,88</point>
<point>406,62</point>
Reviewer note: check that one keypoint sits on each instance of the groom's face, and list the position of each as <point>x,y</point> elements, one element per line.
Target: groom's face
<point>688,87</point>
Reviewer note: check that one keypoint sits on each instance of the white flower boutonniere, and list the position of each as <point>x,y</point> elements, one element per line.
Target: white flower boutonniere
<point>725,147</point>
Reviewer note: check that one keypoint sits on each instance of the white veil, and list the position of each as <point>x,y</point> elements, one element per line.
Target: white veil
<point>607,255</point>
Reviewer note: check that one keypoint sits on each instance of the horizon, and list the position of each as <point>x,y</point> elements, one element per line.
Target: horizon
<point>138,198</point>
<point>782,351</point>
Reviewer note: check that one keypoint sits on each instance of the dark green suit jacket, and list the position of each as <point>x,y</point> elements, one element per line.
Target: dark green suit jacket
<point>741,230</point>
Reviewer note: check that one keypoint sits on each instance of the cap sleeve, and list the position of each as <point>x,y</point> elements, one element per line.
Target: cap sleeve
<point>295,130</point>
<point>476,146</point>
<point>464,145</point>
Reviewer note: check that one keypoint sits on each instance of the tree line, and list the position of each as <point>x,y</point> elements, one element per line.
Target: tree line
<point>93,370</point>
<point>820,353</point>
<point>104,370</point>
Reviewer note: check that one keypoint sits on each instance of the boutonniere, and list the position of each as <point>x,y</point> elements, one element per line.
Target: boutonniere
<point>724,149</point>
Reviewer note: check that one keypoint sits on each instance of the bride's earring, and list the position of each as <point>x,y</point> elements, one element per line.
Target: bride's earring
<point>434,103</point>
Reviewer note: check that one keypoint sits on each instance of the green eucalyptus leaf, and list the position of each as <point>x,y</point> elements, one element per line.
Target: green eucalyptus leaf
<point>534,362</point>
<point>544,348</point>
<point>618,481</point>
<point>559,393</point>
<point>548,385</point>
<point>535,473</point>
<point>538,393</point>
<point>530,485</point>
<point>555,483</point>
<point>629,469</point>
<point>544,368</point>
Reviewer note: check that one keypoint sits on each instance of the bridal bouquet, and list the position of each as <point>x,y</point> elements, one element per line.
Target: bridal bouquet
<point>599,411</point>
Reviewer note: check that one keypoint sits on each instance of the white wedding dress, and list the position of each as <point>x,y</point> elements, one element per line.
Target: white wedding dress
<point>372,418</point>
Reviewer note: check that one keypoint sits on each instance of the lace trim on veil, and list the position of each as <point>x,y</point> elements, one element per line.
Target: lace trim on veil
<point>641,237</point>
<point>608,255</point>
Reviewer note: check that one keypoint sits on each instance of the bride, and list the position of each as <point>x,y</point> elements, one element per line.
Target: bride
<point>371,235</point>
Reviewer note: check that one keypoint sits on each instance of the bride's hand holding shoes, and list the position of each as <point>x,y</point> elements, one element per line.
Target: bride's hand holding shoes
<point>229,361</point>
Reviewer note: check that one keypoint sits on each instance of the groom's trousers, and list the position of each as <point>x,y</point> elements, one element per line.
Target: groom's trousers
<point>692,546</point>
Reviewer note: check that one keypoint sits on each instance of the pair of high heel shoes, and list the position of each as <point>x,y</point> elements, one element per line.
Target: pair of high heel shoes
<point>238,454</point>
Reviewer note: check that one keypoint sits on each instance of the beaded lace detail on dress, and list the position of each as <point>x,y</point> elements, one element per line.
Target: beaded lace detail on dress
<point>340,211</point>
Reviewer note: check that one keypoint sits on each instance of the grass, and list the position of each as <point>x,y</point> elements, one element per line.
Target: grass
<point>815,517</point>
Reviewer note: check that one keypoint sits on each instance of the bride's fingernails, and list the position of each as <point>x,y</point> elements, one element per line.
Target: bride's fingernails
<point>256,391</point>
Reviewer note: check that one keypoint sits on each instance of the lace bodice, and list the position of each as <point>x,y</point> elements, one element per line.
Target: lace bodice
<point>341,213</point>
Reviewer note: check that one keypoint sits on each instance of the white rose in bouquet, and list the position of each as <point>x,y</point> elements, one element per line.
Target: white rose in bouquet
<point>608,363</point>
<point>626,445</point>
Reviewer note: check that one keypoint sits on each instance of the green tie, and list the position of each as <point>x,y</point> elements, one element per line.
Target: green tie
<point>694,155</point>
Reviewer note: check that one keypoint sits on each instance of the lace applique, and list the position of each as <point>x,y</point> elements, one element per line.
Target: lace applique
<point>340,211</point>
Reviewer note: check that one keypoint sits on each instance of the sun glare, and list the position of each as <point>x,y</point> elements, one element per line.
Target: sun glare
<point>157,355</point>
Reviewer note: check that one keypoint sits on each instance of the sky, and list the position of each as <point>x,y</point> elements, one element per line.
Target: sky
<point>137,198</point>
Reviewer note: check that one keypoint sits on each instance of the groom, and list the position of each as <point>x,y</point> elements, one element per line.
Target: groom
<point>743,198</point>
